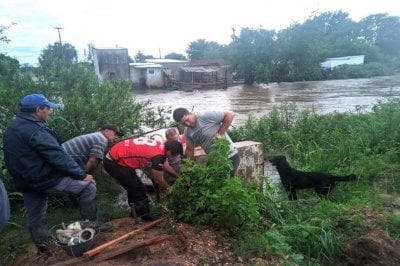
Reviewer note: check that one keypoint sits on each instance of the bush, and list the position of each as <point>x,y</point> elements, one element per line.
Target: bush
<point>206,195</point>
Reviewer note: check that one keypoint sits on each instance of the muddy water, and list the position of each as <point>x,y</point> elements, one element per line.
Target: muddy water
<point>322,96</point>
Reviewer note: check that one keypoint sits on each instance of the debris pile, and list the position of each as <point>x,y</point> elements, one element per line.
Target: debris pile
<point>75,233</point>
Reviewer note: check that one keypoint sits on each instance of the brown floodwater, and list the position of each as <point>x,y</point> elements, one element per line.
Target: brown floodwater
<point>321,96</point>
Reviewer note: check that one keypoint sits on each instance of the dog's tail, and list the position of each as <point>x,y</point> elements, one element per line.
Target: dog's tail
<point>344,177</point>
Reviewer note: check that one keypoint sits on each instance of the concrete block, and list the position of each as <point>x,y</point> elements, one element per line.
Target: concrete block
<point>251,160</point>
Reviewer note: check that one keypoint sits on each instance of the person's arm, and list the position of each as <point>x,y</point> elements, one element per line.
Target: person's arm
<point>158,177</point>
<point>226,123</point>
<point>91,164</point>
<point>189,152</point>
<point>168,168</point>
<point>49,148</point>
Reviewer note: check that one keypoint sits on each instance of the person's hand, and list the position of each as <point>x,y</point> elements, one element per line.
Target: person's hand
<point>218,136</point>
<point>90,178</point>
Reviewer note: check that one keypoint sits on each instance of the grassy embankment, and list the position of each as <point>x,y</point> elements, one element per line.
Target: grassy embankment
<point>310,231</point>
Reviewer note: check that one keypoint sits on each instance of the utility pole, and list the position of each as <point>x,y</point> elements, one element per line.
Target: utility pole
<point>60,53</point>
<point>59,34</point>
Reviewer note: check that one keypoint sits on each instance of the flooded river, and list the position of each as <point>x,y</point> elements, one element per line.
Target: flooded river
<point>322,96</point>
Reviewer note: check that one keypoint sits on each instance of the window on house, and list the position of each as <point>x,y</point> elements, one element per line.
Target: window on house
<point>150,71</point>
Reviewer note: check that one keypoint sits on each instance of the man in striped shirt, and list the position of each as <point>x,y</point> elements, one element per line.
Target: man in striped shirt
<point>87,150</point>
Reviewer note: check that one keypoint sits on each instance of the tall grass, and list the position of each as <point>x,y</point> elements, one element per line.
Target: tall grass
<point>313,230</point>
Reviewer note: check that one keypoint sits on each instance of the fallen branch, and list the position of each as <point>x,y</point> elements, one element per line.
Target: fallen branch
<point>100,248</point>
<point>131,246</point>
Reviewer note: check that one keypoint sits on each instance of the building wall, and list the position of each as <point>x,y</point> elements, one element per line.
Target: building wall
<point>111,63</point>
<point>174,68</point>
<point>154,78</point>
<point>135,75</point>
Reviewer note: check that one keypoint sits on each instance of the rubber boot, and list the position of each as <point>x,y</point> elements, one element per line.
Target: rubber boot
<point>90,212</point>
<point>40,238</point>
<point>142,210</point>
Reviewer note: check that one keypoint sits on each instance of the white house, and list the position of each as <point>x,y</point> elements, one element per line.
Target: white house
<point>146,75</point>
<point>330,63</point>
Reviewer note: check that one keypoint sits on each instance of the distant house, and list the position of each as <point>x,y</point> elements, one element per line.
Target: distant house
<point>146,75</point>
<point>111,63</point>
<point>205,74</point>
<point>331,63</point>
<point>171,66</point>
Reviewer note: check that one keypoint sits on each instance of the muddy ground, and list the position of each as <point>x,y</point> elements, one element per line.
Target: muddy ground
<point>190,246</point>
<point>187,246</point>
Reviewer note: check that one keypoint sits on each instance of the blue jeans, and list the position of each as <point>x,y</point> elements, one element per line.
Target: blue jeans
<point>36,205</point>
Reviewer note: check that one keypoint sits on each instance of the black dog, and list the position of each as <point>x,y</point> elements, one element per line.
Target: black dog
<point>293,179</point>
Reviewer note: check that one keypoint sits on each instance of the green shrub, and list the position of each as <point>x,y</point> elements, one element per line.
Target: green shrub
<point>206,195</point>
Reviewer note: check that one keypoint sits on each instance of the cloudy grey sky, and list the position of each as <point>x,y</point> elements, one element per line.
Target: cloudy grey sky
<point>156,25</point>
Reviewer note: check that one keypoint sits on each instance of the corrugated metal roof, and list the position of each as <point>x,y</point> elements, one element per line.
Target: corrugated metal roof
<point>345,57</point>
<point>145,65</point>
<point>198,69</point>
<point>110,48</point>
<point>165,60</point>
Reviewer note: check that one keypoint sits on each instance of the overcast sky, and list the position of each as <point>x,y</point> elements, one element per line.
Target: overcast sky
<point>156,25</point>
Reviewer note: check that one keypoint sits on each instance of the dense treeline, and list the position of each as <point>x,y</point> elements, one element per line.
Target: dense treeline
<point>295,53</point>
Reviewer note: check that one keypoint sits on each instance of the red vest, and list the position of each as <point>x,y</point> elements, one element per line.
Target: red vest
<point>136,153</point>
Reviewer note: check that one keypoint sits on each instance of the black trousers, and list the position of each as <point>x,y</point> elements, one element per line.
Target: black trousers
<point>128,179</point>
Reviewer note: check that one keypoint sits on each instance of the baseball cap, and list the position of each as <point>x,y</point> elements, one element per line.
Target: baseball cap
<point>35,100</point>
<point>114,128</point>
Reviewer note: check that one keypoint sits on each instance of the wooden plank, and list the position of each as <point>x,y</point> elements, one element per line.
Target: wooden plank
<point>100,248</point>
<point>131,246</point>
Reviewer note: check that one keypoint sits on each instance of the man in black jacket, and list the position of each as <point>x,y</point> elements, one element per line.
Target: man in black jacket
<point>40,166</point>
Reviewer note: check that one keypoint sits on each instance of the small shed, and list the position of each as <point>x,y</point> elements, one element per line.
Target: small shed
<point>146,75</point>
<point>331,63</point>
<point>171,66</point>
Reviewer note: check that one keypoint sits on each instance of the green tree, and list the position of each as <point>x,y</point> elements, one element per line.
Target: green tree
<point>4,38</point>
<point>202,49</point>
<point>55,57</point>
<point>88,53</point>
<point>383,31</point>
<point>252,53</point>
<point>176,56</point>
<point>140,57</point>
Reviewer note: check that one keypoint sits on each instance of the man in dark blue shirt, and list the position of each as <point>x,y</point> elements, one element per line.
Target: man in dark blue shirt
<point>40,166</point>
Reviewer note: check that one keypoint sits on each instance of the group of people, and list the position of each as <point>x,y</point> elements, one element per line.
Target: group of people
<point>40,165</point>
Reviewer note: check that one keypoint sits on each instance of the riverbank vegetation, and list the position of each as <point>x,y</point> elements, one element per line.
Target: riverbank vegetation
<point>312,230</point>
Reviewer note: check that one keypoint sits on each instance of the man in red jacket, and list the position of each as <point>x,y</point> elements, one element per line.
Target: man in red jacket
<point>128,155</point>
